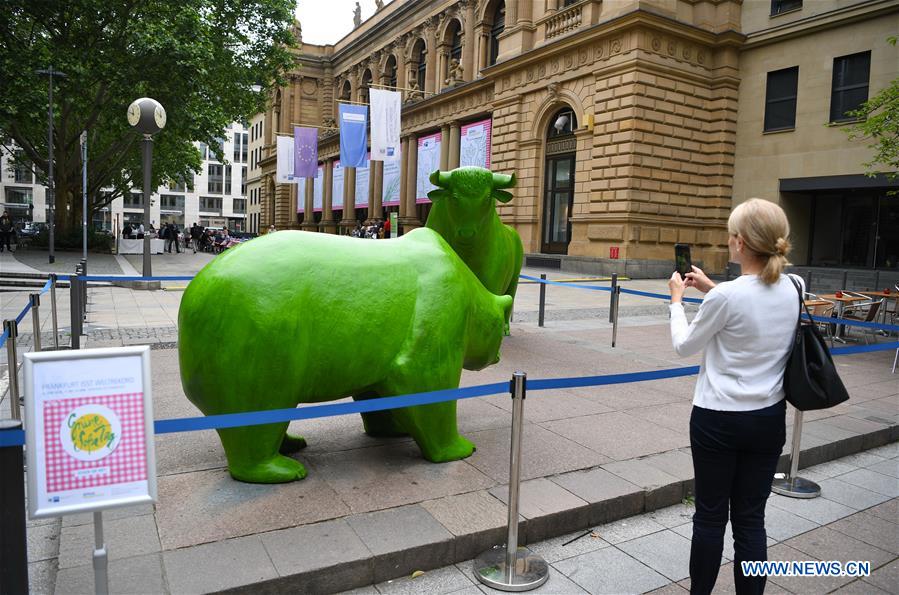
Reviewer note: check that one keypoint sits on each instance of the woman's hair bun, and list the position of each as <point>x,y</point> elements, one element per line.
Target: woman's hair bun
<point>781,247</point>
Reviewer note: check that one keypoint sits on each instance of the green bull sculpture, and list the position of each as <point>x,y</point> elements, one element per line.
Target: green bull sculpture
<point>464,213</point>
<point>293,316</point>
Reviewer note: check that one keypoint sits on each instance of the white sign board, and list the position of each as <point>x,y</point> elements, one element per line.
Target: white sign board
<point>89,430</point>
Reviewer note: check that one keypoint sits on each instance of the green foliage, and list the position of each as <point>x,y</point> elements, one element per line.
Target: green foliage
<point>879,122</point>
<point>198,58</point>
<point>72,239</point>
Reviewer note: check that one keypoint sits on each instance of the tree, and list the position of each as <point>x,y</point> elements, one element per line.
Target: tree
<point>199,58</point>
<point>879,121</point>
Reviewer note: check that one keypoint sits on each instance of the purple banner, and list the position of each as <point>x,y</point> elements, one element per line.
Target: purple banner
<point>305,152</point>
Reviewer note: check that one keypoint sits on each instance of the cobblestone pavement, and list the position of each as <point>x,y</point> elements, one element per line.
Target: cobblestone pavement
<point>651,552</point>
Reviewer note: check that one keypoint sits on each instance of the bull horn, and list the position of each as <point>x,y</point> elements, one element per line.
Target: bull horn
<point>440,178</point>
<point>503,181</point>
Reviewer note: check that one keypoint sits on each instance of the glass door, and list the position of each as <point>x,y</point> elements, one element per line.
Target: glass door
<point>558,198</point>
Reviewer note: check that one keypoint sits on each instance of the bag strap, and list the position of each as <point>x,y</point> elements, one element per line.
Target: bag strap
<point>801,301</point>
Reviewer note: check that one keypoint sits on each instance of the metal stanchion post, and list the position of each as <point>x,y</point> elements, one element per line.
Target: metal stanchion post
<point>792,485</point>
<point>53,311</point>
<point>83,290</point>
<point>35,299</point>
<point>13,548</point>
<point>542,300</point>
<point>511,568</point>
<point>616,297</point>
<point>101,560</point>
<point>612,297</point>
<point>12,330</point>
<point>75,311</point>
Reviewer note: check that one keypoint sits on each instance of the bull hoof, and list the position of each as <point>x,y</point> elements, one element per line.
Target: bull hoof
<point>460,448</point>
<point>291,444</point>
<point>278,469</point>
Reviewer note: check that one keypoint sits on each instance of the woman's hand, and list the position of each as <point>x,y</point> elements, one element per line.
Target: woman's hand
<point>699,280</point>
<point>676,285</point>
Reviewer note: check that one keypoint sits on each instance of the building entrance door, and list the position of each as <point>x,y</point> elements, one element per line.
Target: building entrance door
<point>558,198</point>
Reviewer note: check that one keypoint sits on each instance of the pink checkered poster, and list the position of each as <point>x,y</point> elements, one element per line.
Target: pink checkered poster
<point>89,430</point>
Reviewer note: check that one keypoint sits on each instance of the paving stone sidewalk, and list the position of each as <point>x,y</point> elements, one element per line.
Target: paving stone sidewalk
<point>650,553</point>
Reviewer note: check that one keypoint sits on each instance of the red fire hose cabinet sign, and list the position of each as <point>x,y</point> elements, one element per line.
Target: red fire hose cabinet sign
<point>88,430</point>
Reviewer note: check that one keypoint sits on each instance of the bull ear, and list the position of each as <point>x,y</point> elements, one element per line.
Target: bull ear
<point>438,194</point>
<point>501,195</point>
<point>440,178</point>
<point>504,180</point>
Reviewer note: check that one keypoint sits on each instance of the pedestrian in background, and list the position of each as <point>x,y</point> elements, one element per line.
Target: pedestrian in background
<point>6,230</point>
<point>745,329</point>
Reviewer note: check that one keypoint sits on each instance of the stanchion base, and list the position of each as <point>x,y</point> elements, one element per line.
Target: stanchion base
<point>796,487</point>
<point>530,570</point>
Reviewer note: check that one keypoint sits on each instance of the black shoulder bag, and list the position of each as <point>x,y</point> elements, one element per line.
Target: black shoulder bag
<point>811,380</point>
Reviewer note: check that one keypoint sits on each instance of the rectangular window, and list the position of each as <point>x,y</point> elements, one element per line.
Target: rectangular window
<point>240,205</point>
<point>172,202</point>
<point>849,89</point>
<point>21,168</point>
<point>204,151</point>
<point>211,204</point>
<point>243,180</point>
<point>134,199</point>
<point>780,99</point>
<point>240,147</point>
<point>214,180</point>
<point>782,6</point>
<point>227,179</point>
<point>19,196</point>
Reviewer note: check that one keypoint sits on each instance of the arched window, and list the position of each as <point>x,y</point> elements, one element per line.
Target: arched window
<point>420,57</point>
<point>346,91</point>
<point>563,123</point>
<point>390,72</point>
<point>456,41</point>
<point>499,25</point>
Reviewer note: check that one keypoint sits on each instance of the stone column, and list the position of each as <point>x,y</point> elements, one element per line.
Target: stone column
<point>293,203</point>
<point>455,139</point>
<point>349,198</point>
<point>375,191</point>
<point>431,75</point>
<point>469,41</point>
<point>411,221</point>
<point>404,178</point>
<point>483,48</point>
<point>327,223</point>
<point>309,199</point>
<point>401,68</point>
<point>297,90</point>
<point>445,147</point>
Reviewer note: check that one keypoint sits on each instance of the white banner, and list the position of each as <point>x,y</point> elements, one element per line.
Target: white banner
<point>474,148</point>
<point>284,170</point>
<point>428,162</point>
<point>301,195</point>
<point>337,187</point>
<point>318,191</point>
<point>362,174</point>
<point>385,112</point>
<point>391,185</point>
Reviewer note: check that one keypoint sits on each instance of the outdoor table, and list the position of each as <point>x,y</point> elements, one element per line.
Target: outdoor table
<point>887,296</point>
<point>840,304</point>
<point>816,303</point>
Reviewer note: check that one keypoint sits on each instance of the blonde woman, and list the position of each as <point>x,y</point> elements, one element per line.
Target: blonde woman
<point>745,329</point>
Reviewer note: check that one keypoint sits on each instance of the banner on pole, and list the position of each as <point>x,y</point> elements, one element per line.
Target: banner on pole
<point>301,194</point>
<point>284,164</point>
<point>90,430</point>
<point>474,146</point>
<point>362,176</point>
<point>305,151</point>
<point>391,186</point>
<point>318,191</point>
<point>428,162</point>
<point>386,109</point>
<point>353,134</point>
<point>337,187</point>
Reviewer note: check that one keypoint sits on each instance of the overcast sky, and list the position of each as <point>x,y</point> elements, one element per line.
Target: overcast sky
<point>327,21</point>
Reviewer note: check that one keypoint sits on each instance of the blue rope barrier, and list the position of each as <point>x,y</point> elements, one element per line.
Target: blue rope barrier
<point>548,282</point>
<point>12,438</point>
<point>127,278</point>
<point>850,322</point>
<point>22,314</point>
<point>46,287</point>
<point>3,338</point>
<point>660,296</point>
<point>851,349</point>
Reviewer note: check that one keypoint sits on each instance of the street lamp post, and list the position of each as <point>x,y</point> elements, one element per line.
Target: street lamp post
<point>147,116</point>
<point>51,188</point>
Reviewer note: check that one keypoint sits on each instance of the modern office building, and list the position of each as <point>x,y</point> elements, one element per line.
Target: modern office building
<point>215,197</point>
<point>630,124</point>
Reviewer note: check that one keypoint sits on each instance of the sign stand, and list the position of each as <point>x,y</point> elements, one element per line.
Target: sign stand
<point>101,560</point>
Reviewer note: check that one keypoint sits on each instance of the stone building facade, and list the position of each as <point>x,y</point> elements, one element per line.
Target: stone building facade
<point>619,118</point>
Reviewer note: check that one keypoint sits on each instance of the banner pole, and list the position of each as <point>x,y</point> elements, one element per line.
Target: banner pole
<point>12,330</point>
<point>616,296</point>
<point>101,560</point>
<point>542,300</point>
<point>53,311</point>
<point>35,299</point>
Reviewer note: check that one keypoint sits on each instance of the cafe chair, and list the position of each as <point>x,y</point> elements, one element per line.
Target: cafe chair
<point>863,312</point>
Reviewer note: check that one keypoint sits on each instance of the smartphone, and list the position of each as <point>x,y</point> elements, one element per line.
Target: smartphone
<point>682,260</point>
